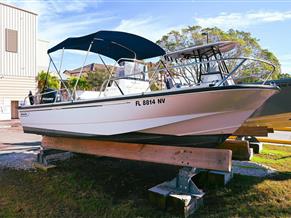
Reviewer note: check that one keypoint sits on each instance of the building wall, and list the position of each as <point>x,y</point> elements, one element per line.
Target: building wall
<point>14,89</point>
<point>22,63</point>
<point>17,69</point>
<point>42,58</point>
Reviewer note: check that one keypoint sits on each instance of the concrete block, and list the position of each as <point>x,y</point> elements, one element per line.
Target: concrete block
<point>251,154</point>
<point>59,156</point>
<point>183,205</point>
<point>48,156</point>
<point>158,197</point>
<point>168,199</point>
<point>212,178</point>
<point>181,201</point>
<point>219,178</point>
<point>257,147</point>
<point>240,149</point>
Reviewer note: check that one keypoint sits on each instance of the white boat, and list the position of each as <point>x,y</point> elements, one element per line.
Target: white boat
<point>197,102</point>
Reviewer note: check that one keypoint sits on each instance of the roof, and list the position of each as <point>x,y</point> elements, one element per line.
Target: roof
<point>20,9</point>
<point>86,69</point>
<point>196,51</point>
<point>113,44</point>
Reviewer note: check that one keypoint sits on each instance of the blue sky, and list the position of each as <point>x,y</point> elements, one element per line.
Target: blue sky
<point>269,21</point>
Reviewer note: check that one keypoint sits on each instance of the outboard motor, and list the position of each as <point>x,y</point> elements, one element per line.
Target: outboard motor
<point>48,96</point>
<point>31,98</point>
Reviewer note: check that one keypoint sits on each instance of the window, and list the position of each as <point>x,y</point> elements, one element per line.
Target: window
<point>11,40</point>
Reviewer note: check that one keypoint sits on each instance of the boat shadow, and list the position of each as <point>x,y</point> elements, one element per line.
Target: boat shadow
<point>119,178</point>
<point>125,180</point>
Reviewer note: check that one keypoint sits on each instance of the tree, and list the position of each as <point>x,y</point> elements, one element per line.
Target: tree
<point>82,83</point>
<point>248,46</point>
<point>91,81</point>
<point>47,80</point>
<point>96,79</point>
<point>284,76</point>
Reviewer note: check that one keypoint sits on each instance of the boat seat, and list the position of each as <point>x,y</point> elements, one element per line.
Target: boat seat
<point>169,82</point>
<point>211,77</point>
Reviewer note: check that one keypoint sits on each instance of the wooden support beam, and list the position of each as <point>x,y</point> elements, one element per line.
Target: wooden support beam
<point>288,129</point>
<point>273,121</point>
<point>272,124</point>
<point>252,131</point>
<point>182,156</point>
<point>275,141</point>
<point>240,149</point>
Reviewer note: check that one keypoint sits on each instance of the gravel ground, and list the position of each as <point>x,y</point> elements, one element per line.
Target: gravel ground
<point>17,149</point>
<point>249,168</point>
<point>18,161</point>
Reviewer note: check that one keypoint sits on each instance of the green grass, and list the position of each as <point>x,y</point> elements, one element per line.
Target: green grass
<point>278,157</point>
<point>86,186</point>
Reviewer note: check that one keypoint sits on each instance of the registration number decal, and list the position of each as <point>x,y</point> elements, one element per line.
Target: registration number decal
<point>150,102</point>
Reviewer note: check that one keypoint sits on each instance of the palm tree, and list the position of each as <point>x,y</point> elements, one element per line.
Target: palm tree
<point>47,80</point>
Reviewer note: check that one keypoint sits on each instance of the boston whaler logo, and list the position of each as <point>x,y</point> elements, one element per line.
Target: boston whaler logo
<point>150,102</point>
<point>23,114</point>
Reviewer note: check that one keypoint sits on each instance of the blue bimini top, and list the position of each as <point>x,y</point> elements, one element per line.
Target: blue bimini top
<point>113,44</point>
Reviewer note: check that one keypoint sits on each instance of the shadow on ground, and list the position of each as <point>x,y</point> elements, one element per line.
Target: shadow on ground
<point>86,186</point>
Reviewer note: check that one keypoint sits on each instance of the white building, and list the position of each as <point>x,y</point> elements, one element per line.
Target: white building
<point>22,56</point>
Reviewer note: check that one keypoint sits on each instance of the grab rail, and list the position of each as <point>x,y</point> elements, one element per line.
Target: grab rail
<point>156,71</point>
<point>240,64</point>
<point>233,71</point>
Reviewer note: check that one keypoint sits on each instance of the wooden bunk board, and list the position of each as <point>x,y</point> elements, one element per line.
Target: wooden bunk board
<point>205,158</point>
<point>273,121</point>
<point>253,131</point>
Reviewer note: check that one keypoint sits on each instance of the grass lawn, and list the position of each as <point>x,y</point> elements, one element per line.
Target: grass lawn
<point>87,186</point>
<point>278,157</point>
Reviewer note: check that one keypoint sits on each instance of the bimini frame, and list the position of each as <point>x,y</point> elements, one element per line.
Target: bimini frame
<point>194,65</point>
<point>58,70</point>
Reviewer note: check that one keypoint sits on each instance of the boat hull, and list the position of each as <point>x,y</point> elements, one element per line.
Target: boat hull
<point>188,117</point>
<point>276,111</point>
<point>207,141</point>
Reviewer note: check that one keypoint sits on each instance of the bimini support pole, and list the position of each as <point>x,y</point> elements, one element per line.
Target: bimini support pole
<point>107,68</point>
<point>79,76</point>
<point>46,76</point>
<point>62,58</point>
<point>58,72</point>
